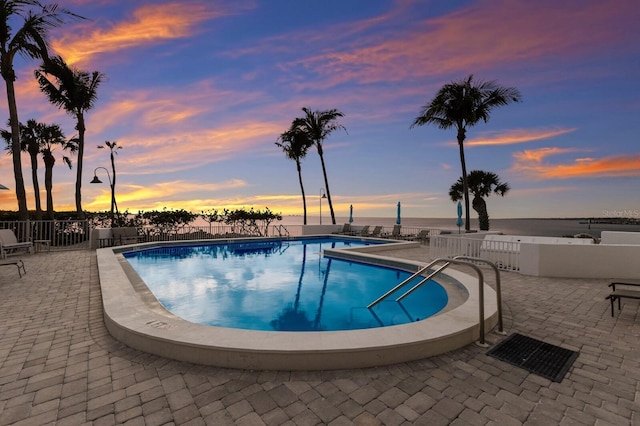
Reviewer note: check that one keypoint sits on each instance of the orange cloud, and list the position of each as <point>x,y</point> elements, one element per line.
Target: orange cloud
<point>517,136</point>
<point>149,24</point>
<point>532,163</point>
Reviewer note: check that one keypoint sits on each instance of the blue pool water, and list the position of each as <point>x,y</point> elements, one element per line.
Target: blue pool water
<point>279,285</point>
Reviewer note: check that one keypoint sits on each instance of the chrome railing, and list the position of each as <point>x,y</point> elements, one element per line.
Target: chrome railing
<point>446,262</point>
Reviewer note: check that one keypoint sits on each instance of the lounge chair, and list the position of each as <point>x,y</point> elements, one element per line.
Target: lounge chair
<point>18,262</point>
<point>9,243</point>
<point>125,235</point>
<point>421,236</point>
<point>377,232</point>
<point>346,230</point>
<point>395,234</point>
<point>623,293</point>
<point>364,232</point>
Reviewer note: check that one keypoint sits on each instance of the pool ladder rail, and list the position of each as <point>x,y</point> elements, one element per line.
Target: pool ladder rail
<point>282,231</point>
<point>446,262</point>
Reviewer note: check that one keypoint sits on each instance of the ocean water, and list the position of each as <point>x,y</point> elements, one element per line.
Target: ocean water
<point>533,227</point>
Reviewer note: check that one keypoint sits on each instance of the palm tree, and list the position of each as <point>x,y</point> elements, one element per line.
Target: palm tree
<point>30,139</point>
<point>113,147</point>
<point>29,40</point>
<point>318,125</point>
<point>481,185</point>
<point>75,91</point>
<point>462,104</point>
<point>295,144</point>
<point>52,137</point>
<point>39,138</point>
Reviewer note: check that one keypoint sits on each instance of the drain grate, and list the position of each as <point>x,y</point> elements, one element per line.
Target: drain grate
<point>535,356</point>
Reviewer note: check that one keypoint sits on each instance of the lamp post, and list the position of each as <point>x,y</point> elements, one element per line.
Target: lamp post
<point>322,195</point>
<point>113,189</point>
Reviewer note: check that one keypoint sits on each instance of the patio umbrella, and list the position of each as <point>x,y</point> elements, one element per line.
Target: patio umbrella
<point>398,216</point>
<point>459,222</point>
<point>351,213</point>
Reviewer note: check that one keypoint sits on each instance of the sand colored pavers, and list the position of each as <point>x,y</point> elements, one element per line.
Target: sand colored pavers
<point>58,365</point>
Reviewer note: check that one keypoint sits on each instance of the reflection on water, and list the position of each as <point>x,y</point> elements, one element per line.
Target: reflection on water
<point>278,285</point>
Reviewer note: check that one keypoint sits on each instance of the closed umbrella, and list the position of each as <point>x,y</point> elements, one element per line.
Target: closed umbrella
<point>398,216</point>
<point>459,222</point>
<point>351,213</point>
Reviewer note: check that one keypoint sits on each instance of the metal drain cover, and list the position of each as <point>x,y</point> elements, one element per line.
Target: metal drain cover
<point>535,356</point>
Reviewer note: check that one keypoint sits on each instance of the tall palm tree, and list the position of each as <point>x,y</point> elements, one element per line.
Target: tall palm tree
<point>295,144</point>
<point>318,125</point>
<point>75,91</point>
<point>52,137</point>
<point>29,40</point>
<point>462,104</point>
<point>481,185</point>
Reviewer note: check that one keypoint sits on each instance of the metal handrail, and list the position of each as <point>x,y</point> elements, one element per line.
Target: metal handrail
<point>279,228</point>
<point>447,263</point>
<point>498,285</point>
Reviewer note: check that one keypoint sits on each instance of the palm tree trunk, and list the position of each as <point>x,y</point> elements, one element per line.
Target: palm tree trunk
<point>326,182</point>
<point>80,127</point>
<point>36,184</point>
<point>304,200</point>
<point>49,161</point>
<point>480,206</point>
<point>23,212</point>
<point>465,183</point>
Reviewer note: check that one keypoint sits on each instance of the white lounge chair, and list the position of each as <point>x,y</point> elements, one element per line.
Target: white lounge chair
<point>9,243</point>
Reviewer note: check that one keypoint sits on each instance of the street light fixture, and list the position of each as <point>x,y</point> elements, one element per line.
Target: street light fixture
<point>3,187</point>
<point>322,195</point>
<point>113,189</point>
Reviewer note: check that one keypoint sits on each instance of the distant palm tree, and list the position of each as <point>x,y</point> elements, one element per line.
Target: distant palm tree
<point>29,40</point>
<point>462,104</point>
<point>318,125</point>
<point>75,91</point>
<point>39,138</point>
<point>295,144</point>
<point>481,185</point>
<point>52,137</point>
<point>30,142</point>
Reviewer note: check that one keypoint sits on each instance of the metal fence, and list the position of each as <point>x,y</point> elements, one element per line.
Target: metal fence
<point>51,234</point>
<point>505,255</point>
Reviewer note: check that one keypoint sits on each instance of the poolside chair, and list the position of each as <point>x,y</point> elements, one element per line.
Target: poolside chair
<point>346,230</point>
<point>18,262</point>
<point>421,236</point>
<point>377,231</point>
<point>9,243</point>
<point>395,234</point>
<point>364,232</point>
<point>624,293</point>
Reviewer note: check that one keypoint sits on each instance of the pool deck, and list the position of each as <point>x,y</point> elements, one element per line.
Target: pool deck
<point>59,365</point>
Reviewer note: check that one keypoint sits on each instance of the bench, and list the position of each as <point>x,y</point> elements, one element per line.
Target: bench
<point>622,293</point>
<point>125,235</point>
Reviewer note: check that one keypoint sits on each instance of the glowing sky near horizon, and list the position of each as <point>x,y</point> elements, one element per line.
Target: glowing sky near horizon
<point>197,93</point>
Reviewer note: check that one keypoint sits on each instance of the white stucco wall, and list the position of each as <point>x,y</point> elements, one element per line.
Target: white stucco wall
<point>611,261</point>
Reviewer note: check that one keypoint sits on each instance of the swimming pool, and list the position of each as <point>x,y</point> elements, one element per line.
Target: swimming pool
<point>133,316</point>
<point>280,285</point>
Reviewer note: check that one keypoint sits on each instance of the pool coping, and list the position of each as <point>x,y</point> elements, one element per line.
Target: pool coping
<point>133,316</point>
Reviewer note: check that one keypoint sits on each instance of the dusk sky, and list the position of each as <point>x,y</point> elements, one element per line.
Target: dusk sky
<point>197,93</point>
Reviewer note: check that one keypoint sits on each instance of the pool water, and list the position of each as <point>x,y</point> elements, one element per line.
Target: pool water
<point>277,285</point>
